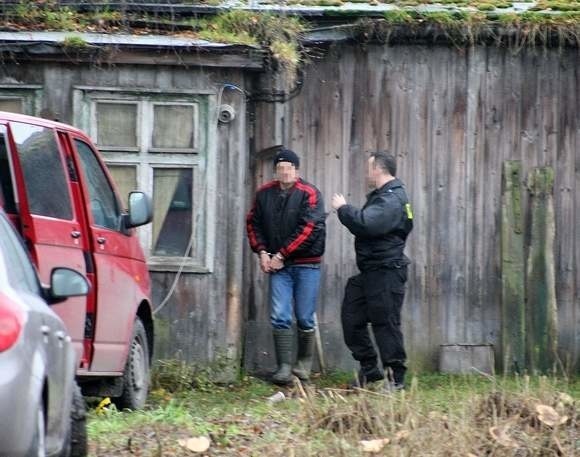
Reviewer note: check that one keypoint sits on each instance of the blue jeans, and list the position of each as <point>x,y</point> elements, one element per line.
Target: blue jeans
<point>298,284</point>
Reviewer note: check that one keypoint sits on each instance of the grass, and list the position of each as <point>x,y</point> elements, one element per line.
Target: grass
<point>74,42</point>
<point>280,34</point>
<point>438,415</point>
<point>488,23</point>
<point>45,15</point>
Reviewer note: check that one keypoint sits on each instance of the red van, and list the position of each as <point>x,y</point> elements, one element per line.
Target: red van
<point>58,193</point>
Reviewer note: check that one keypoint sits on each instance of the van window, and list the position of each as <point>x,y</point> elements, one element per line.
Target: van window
<point>104,205</point>
<point>44,173</point>
<point>6,189</point>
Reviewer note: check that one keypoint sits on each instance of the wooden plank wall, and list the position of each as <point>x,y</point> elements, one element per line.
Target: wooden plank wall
<point>452,116</point>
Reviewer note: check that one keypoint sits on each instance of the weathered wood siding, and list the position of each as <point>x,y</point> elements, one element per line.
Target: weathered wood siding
<point>200,322</point>
<point>452,116</point>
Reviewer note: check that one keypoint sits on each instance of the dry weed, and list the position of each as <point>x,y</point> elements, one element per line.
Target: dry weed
<point>497,423</point>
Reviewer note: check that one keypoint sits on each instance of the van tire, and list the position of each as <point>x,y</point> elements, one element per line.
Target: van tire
<point>136,374</point>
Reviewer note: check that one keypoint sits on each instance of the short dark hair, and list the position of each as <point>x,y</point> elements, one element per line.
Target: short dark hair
<point>385,161</point>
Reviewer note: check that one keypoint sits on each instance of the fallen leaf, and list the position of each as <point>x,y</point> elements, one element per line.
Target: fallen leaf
<point>549,416</point>
<point>374,445</point>
<point>500,434</point>
<point>100,409</point>
<point>402,435</point>
<point>199,444</point>
<point>566,399</point>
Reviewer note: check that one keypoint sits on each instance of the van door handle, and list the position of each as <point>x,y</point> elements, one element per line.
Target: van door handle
<point>60,335</point>
<point>101,240</point>
<point>75,234</point>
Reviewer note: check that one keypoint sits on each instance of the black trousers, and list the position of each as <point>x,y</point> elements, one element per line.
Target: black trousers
<point>376,297</point>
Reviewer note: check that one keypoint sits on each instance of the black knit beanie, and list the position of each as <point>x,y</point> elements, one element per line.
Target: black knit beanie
<point>286,155</point>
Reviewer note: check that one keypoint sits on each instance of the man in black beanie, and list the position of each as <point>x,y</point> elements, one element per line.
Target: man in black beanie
<point>286,228</point>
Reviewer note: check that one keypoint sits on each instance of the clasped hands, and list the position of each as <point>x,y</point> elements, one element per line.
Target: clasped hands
<point>270,263</point>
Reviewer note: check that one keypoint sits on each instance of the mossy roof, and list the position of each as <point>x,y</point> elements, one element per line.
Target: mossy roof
<point>412,19</point>
<point>303,7</point>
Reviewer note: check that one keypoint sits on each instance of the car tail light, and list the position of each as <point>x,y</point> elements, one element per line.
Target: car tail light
<point>10,326</point>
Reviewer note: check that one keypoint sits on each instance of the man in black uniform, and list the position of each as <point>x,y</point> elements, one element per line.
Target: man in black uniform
<point>376,294</point>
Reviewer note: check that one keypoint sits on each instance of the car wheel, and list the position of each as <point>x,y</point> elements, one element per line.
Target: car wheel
<point>78,424</point>
<point>136,375</point>
<point>76,439</point>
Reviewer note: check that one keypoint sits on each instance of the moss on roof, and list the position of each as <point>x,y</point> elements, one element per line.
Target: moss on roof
<point>462,21</point>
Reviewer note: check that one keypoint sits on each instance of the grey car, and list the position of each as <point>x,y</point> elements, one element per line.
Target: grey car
<point>42,412</point>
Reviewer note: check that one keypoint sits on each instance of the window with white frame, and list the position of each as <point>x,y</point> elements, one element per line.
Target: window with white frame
<point>158,142</point>
<point>20,98</point>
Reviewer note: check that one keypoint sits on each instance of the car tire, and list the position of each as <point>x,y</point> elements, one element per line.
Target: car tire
<point>76,438</point>
<point>136,374</point>
<point>78,424</point>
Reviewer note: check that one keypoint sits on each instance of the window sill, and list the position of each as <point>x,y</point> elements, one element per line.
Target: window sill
<point>173,267</point>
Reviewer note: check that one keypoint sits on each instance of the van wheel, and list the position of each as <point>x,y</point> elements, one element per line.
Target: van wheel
<point>136,375</point>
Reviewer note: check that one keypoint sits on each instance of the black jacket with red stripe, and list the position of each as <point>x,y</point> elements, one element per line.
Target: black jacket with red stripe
<point>290,222</point>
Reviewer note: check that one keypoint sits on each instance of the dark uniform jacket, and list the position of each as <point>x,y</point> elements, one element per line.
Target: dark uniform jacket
<point>381,227</point>
<point>291,222</point>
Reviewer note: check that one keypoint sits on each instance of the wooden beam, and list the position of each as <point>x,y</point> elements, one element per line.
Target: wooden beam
<point>512,268</point>
<point>250,60</point>
<point>540,286</point>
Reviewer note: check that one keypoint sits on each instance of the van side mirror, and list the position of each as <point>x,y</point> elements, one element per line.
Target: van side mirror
<point>140,210</point>
<point>65,283</point>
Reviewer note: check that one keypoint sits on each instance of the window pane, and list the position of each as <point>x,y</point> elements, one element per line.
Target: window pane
<point>117,124</point>
<point>12,105</point>
<point>44,172</point>
<point>173,126</point>
<point>125,179</point>
<point>172,206</point>
<point>104,207</point>
<point>21,273</point>
<point>6,188</point>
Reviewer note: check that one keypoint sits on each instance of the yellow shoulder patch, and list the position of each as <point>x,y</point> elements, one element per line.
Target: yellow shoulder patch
<point>409,211</point>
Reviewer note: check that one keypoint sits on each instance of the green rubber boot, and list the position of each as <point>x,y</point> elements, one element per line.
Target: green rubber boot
<point>305,352</point>
<point>283,340</point>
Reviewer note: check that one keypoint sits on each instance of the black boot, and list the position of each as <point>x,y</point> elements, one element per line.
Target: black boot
<point>395,377</point>
<point>305,351</point>
<point>283,340</point>
<point>368,373</point>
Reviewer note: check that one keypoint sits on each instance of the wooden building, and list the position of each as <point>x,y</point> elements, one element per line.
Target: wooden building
<point>452,115</point>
